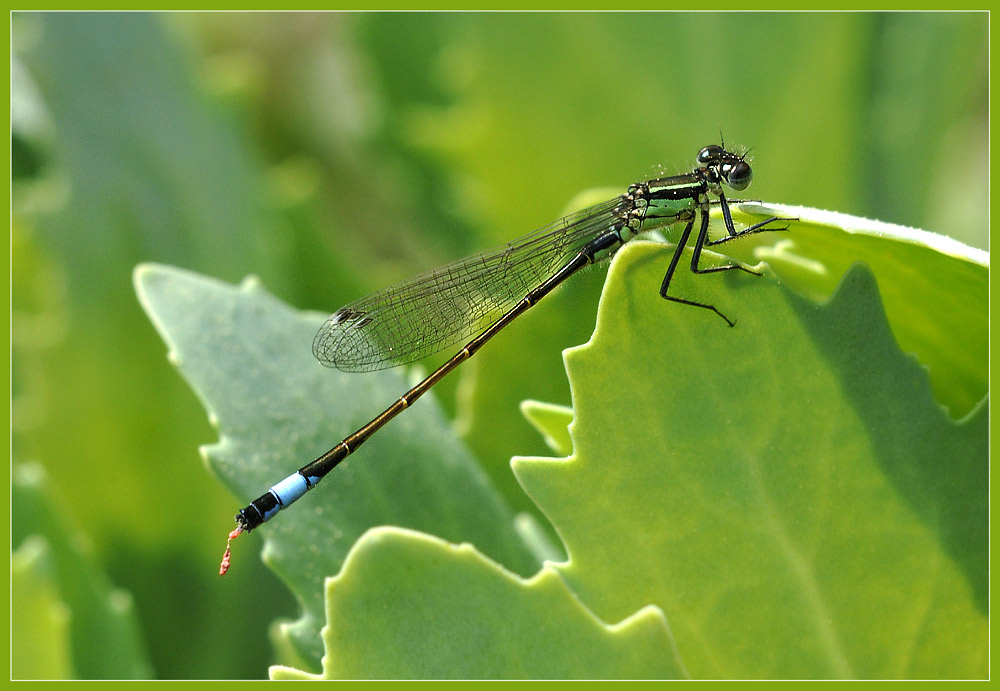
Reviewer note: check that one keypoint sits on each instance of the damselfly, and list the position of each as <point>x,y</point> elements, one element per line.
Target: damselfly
<point>478,296</point>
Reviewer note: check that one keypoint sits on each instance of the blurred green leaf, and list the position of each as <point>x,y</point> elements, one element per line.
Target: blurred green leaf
<point>465,617</point>
<point>143,148</point>
<point>100,617</point>
<point>41,650</point>
<point>246,355</point>
<point>788,492</point>
<point>141,164</point>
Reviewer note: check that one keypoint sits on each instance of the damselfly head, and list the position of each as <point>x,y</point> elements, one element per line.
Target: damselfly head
<point>726,166</point>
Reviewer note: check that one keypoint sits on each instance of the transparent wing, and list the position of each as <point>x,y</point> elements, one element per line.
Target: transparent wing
<point>411,320</point>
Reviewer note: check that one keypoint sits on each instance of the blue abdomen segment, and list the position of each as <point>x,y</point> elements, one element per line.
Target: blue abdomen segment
<point>280,496</point>
<point>290,489</point>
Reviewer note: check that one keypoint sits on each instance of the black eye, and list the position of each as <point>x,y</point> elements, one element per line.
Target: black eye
<point>709,154</point>
<point>739,175</point>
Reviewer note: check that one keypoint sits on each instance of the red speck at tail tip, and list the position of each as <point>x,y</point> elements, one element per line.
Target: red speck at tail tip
<point>224,566</point>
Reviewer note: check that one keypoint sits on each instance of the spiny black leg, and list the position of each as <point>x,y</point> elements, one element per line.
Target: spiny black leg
<point>677,255</point>
<point>700,244</point>
<point>755,228</point>
<point>674,259</point>
<point>727,215</point>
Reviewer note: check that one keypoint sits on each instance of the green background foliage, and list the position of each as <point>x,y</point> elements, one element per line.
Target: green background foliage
<point>334,154</point>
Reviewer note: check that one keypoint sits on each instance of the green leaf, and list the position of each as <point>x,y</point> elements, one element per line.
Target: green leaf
<point>410,606</point>
<point>787,491</point>
<point>70,585</point>
<point>144,164</point>
<point>41,648</point>
<point>247,356</point>
<point>145,151</point>
<point>935,289</point>
<point>552,422</point>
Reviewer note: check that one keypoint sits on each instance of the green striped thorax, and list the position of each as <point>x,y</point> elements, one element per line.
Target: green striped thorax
<point>665,201</point>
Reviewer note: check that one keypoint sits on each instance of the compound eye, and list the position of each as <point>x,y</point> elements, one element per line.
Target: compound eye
<point>739,175</point>
<point>709,154</point>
